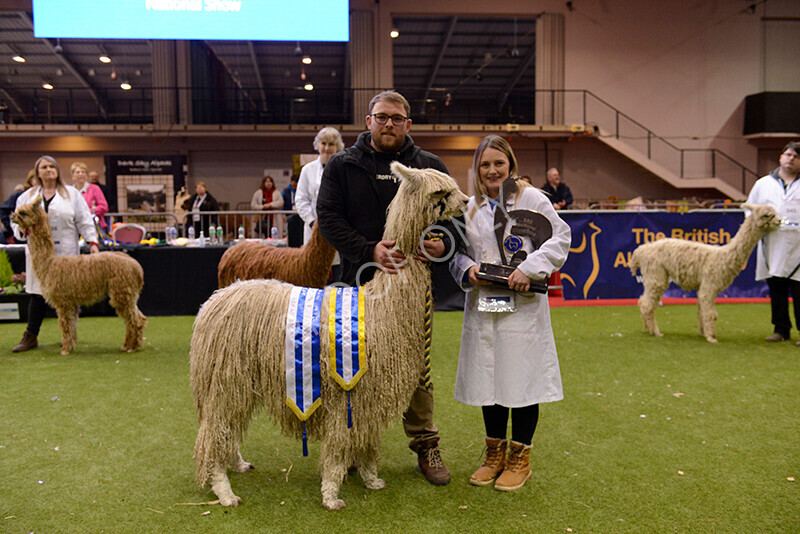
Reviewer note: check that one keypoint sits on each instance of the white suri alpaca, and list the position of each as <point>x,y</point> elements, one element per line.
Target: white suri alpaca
<point>707,268</point>
<point>237,356</point>
<point>72,281</point>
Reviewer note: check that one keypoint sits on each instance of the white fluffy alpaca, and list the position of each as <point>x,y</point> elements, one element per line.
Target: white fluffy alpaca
<point>237,356</point>
<point>707,268</point>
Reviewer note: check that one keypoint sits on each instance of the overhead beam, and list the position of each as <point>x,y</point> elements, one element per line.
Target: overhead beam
<point>442,49</point>
<point>515,78</point>
<point>10,98</point>
<point>257,71</point>
<point>233,76</point>
<point>68,65</point>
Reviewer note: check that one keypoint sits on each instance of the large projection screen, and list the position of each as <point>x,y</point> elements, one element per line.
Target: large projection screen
<point>248,20</point>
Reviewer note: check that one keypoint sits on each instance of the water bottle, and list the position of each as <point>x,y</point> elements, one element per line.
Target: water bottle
<point>190,233</point>
<point>168,234</point>
<point>274,232</point>
<point>241,233</point>
<point>173,235</point>
<point>212,234</point>
<point>202,239</point>
<point>220,235</point>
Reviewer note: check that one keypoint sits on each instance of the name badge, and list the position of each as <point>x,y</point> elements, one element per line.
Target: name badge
<point>497,304</point>
<point>791,211</point>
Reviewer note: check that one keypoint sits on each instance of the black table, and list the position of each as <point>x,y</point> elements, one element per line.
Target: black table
<point>178,280</point>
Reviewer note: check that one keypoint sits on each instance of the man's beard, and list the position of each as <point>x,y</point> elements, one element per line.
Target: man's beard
<point>388,144</point>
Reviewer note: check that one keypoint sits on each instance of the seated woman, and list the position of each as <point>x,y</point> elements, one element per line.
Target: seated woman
<point>265,198</point>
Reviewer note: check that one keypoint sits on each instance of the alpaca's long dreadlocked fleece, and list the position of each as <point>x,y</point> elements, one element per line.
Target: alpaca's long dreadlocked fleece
<point>72,281</point>
<point>708,269</point>
<point>237,356</point>
<point>306,266</point>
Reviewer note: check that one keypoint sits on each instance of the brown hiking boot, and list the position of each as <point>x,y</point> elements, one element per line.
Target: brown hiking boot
<point>431,464</point>
<point>493,464</point>
<point>28,342</point>
<point>518,468</point>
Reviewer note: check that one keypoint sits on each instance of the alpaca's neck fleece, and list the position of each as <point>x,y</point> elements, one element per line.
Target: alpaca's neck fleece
<point>743,243</point>
<point>42,249</point>
<point>406,233</point>
<point>318,252</point>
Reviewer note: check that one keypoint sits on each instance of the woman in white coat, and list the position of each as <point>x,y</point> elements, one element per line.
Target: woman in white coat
<point>327,142</point>
<point>69,216</point>
<point>508,358</point>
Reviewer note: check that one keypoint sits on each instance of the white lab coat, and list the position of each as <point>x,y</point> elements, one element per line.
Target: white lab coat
<point>305,199</point>
<point>509,358</point>
<point>68,217</point>
<point>778,252</point>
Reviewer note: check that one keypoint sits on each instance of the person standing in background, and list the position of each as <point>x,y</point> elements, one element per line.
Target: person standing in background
<point>69,218</point>
<point>327,143</point>
<point>778,252</point>
<point>266,197</point>
<point>91,193</point>
<point>558,192</point>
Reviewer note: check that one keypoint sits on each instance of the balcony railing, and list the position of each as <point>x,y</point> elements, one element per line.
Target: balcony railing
<point>429,106</point>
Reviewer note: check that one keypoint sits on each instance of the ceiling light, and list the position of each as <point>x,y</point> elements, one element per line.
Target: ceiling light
<point>306,60</point>
<point>17,56</point>
<point>125,86</point>
<point>113,75</point>
<point>104,59</point>
<point>309,86</point>
<point>395,33</point>
<point>298,51</point>
<point>91,72</point>
<point>59,72</point>
<point>48,86</point>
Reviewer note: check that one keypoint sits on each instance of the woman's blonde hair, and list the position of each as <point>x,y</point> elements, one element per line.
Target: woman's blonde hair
<point>498,143</point>
<point>78,165</point>
<point>329,133</point>
<point>59,182</point>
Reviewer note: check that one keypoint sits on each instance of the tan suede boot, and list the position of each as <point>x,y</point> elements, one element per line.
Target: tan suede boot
<point>28,342</point>
<point>518,468</point>
<point>493,464</point>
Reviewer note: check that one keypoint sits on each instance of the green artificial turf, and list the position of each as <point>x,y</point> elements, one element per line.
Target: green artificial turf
<point>654,435</point>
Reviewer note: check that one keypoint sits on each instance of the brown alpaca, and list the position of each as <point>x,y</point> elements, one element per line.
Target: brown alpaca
<point>72,281</point>
<point>307,266</point>
<point>707,268</point>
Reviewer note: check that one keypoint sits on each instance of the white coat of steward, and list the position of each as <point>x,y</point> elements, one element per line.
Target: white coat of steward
<point>778,252</point>
<point>509,358</point>
<point>68,217</point>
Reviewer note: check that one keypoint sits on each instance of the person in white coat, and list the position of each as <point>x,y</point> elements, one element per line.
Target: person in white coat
<point>69,216</point>
<point>778,255</point>
<point>508,359</point>
<point>327,142</point>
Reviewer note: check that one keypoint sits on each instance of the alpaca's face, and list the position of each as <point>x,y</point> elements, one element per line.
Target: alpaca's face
<point>28,215</point>
<point>766,217</point>
<point>448,203</point>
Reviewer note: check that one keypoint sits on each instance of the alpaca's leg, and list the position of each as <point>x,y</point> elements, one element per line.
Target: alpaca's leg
<point>368,466</point>
<point>333,472</point>
<point>66,322</point>
<point>240,465</point>
<point>708,313</point>
<point>75,315</point>
<point>212,455</point>
<point>135,322</point>
<point>655,282</point>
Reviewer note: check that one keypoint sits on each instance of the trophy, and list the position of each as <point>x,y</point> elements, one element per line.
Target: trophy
<point>527,224</point>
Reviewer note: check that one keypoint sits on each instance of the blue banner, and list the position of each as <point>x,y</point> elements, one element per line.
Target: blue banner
<point>602,244</point>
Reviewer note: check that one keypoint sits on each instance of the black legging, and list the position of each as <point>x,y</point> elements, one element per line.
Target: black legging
<point>36,310</point>
<point>523,422</point>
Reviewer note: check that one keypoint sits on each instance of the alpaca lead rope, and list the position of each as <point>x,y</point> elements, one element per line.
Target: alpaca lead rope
<point>429,319</point>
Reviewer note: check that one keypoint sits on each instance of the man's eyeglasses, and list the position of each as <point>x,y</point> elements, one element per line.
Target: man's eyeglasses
<point>383,118</point>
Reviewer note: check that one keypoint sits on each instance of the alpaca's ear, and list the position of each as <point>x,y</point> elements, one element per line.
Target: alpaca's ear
<point>37,199</point>
<point>747,206</point>
<point>404,173</point>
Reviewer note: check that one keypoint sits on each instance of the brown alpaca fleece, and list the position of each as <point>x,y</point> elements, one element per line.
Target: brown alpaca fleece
<point>72,281</point>
<point>307,266</point>
<point>237,356</point>
<point>707,268</point>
